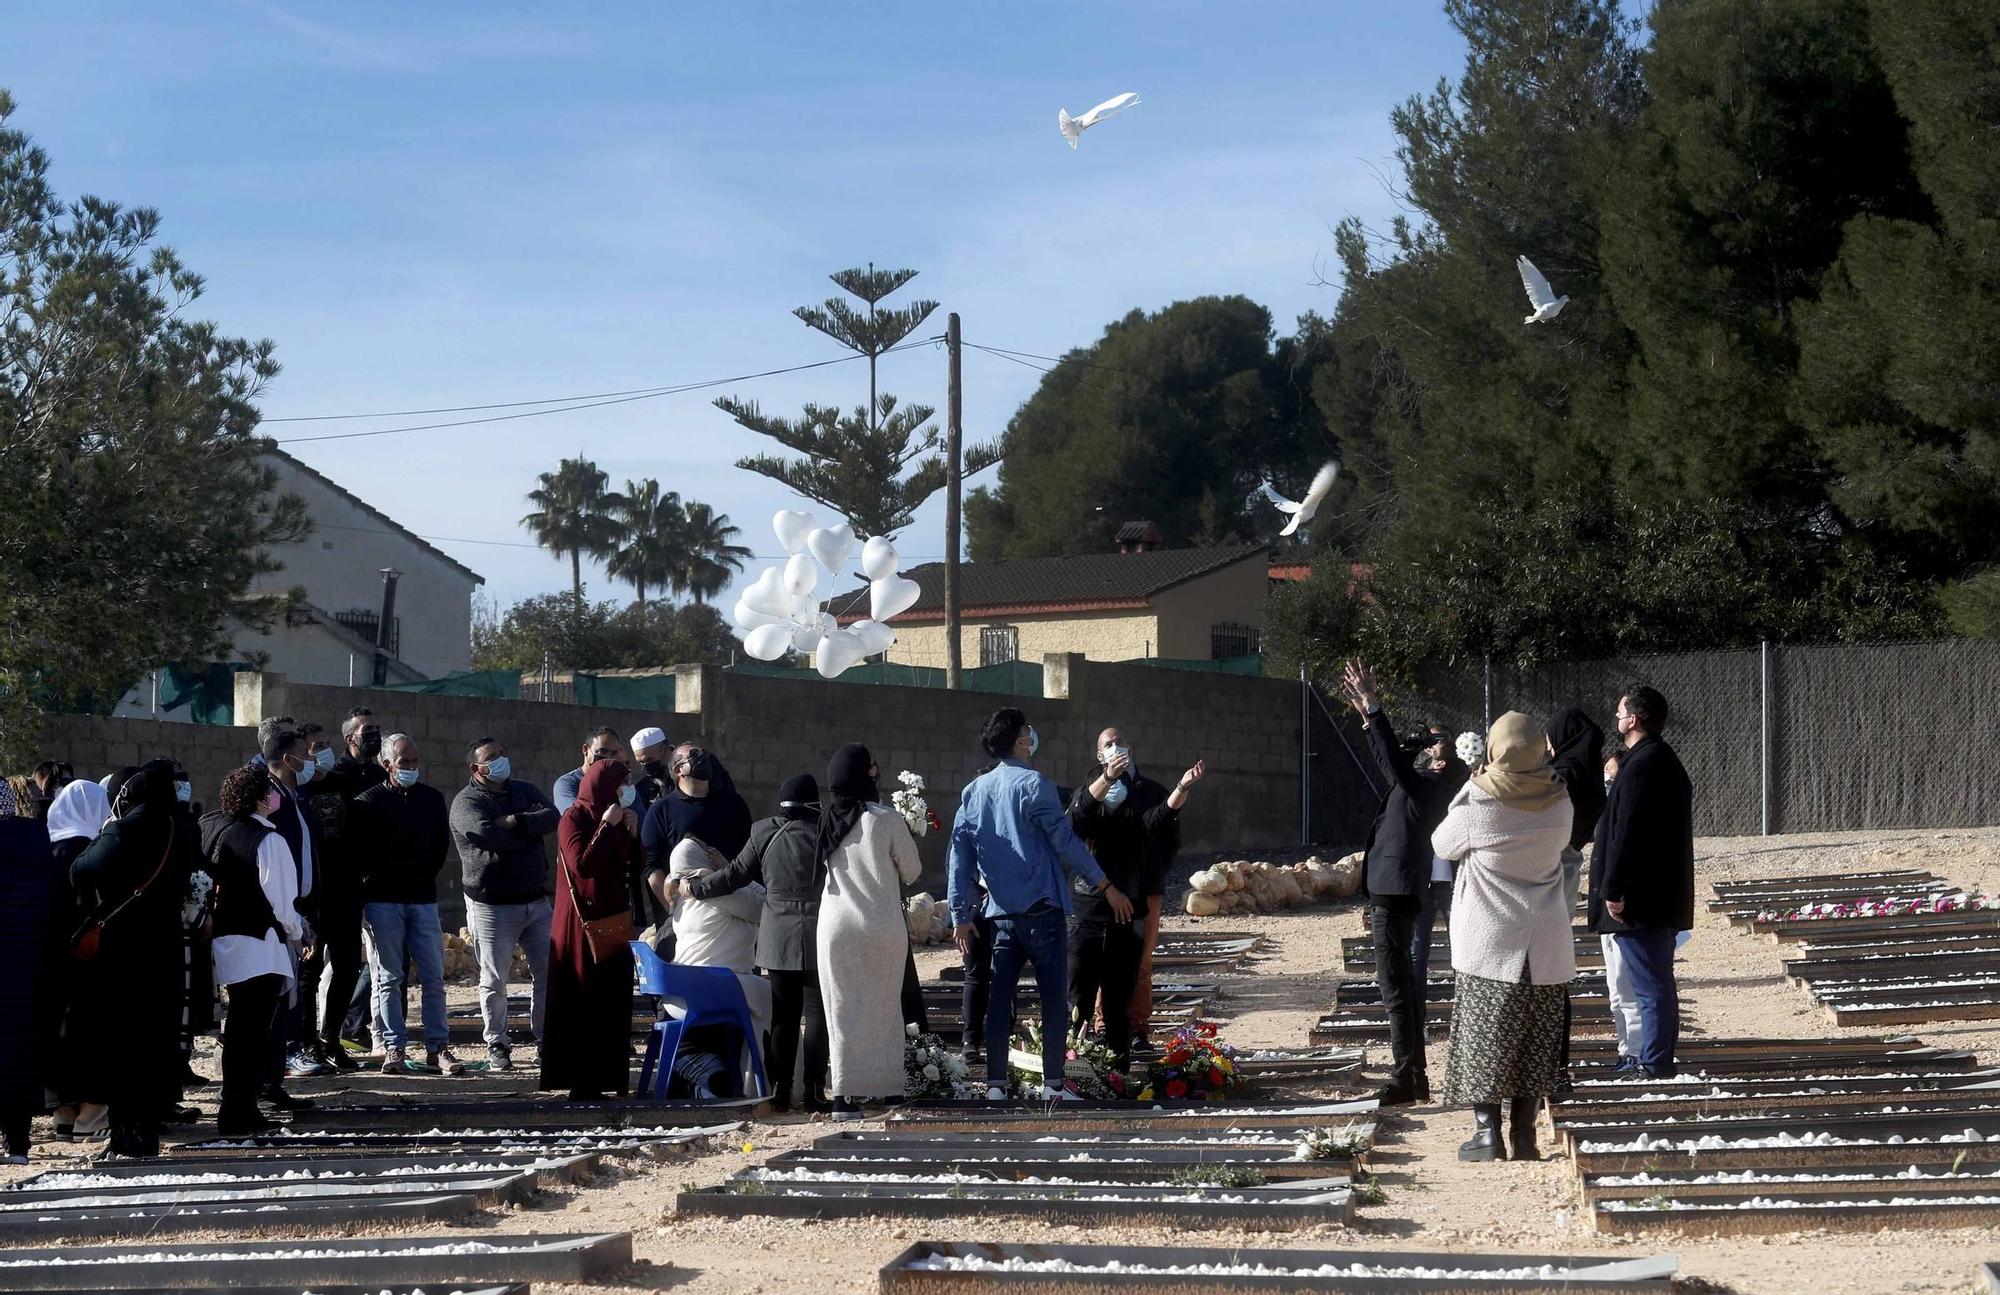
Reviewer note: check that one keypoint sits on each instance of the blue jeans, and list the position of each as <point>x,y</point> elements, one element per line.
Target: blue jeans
<point>1648,958</point>
<point>497,929</point>
<point>398,933</point>
<point>1040,936</point>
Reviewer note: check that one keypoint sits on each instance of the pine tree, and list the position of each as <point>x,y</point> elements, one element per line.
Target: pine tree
<point>856,463</point>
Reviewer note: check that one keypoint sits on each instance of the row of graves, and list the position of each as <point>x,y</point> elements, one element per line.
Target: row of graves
<point>1785,1135</point>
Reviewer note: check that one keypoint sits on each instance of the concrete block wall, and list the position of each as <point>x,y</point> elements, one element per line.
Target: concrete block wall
<point>767,729</point>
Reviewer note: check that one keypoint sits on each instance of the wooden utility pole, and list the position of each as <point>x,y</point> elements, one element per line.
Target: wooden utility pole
<point>954,443</point>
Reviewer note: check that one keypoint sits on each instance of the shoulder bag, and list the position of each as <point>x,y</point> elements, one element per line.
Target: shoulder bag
<point>606,936</point>
<point>89,937</point>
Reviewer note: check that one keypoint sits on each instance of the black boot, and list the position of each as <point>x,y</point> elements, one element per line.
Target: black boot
<point>1485,1141</point>
<point>1521,1117</point>
<point>1422,1086</point>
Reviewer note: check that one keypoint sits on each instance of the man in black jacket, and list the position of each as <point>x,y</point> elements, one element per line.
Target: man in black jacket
<point>1396,874</point>
<point>1642,881</point>
<point>331,795</point>
<point>498,822</point>
<point>1131,823</point>
<point>406,837</point>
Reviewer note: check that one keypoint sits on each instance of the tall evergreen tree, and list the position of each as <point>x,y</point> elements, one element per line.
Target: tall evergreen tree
<point>136,506</point>
<point>855,463</point>
<point>574,515</point>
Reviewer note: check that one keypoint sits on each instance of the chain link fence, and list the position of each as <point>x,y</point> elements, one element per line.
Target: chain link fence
<point>1775,738</point>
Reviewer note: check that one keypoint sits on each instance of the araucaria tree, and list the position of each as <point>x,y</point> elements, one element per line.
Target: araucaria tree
<point>574,515</point>
<point>855,463</point>
<point>135,509</point>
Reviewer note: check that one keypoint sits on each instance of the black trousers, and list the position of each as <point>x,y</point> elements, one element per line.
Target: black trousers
<point>978,963</point>
<point>914,1012</point>
<point>15,1121</point>
<point>1392,921</point>
<point>339,948</point>
<point>796,1002</point>
<point>1104,960</point>
<point>246,1043</point>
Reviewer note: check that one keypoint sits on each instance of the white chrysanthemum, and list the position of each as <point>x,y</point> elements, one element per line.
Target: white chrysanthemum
<point>1471,748</point>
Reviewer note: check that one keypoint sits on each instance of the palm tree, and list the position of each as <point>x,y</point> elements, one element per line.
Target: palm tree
<point>653,525</point>
<point>575,515</point>
<point>710,559</point>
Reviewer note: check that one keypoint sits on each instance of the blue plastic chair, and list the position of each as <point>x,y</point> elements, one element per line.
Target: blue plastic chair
<point>711,996</point>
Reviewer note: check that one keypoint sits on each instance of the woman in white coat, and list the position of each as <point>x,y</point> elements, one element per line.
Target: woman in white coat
<point>867,856</point>
<point>1511,948</point>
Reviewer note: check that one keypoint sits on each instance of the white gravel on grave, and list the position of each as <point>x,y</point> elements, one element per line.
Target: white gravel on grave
<point>208,1254</point>
<point>83,1182</point>
<point>284,1191</point>
<point>956,1263</point>
<point>1768,1203</point>
<point>1750,1176</point>
<point>1712,1142</point>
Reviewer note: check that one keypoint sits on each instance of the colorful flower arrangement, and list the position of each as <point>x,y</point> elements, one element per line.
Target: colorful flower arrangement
<point>910,803</point>
<point>1892,906</point>
<point>932,1070</point>
<point>1088,1068</point>
<point>1195,1066</point>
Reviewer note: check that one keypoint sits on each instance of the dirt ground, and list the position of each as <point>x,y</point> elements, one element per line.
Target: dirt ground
<point>1434,1202</point>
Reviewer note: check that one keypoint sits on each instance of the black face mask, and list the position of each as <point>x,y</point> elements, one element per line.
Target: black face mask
<point>655,768</point>
<point>371,743</point>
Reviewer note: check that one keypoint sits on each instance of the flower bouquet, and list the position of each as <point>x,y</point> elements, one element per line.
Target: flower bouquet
<point>1089,1070</point>
<point>1915,905</point>
<point>1195,1067</point>
<point>931,1070</point>
<point>910,803</point>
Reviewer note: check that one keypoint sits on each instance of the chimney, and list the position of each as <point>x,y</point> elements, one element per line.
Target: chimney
<point>1139,537</point>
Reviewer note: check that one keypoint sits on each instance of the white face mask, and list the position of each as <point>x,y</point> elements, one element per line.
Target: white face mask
<point>627,794</point>
<point>1034,741</point>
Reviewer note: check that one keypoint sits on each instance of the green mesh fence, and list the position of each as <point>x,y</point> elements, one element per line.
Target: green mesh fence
<point>466,683</point>
<point>1013,678</point>
<point>1252,664</point>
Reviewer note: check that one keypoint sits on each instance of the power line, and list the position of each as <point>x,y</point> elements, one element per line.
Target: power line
<point>523,544</point>
<point>647,393</point>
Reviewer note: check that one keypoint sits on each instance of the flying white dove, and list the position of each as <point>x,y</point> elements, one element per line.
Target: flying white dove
<point>1540,295</point>
<point>1302,511</point>
<point>1072,127</point>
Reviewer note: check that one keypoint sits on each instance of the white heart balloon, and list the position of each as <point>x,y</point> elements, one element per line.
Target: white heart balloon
<point>767,594</point>
<point>748,618</point>
<point>768,642</point>
<point>792,527</point>
<point>801,575</point>
<point>832,545</point>
<point>878,560</point>
<point>836,652</point>
<point>806,632</point>
<point>874,635</point>
<point>891,595</point>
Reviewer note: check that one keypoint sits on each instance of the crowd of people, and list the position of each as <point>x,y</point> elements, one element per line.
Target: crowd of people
<point>299,913</point>
<point>307,900</point>
<point>1499,848</point>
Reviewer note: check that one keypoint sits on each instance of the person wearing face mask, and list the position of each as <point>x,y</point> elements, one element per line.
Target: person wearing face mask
<point>343,774</point>
<point>1446,761</point>
<point>649,777</point>
<point>1397,877</point>
<point>1012,836</point>
<point>499,823</point>
<point>704,804</point>
<point>283,752</point>
<point>198,1000</point>
<point>604,744</point>
<point>405,834</point>
<point>125,1007</point>
<point>255,924</point>
<point>1642,883</point>
<point>76,816</point>
<point>586,1049</point>
<point>1132,826</point>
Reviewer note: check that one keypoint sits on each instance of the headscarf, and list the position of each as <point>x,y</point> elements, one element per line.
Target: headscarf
<point>112,782</point>
<point>79,810</point>
<point>799,797</point>
<point>1517,769</point>
<point>599,789</point>
<point>853,790</point>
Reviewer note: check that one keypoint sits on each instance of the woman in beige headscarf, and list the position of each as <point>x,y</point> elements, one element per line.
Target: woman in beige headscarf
<point>1511,947</point>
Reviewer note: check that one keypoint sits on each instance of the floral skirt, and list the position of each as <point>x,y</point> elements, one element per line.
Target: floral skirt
<point>1506,1041</point>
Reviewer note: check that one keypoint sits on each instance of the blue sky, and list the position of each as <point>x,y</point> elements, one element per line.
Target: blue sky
<point>451,204</point>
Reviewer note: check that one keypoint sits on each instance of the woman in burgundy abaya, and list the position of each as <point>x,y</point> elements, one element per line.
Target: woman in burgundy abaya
<point>586,1045</point>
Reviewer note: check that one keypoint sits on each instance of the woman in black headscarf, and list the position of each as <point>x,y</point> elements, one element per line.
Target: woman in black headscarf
<point>125,1013</point>
<point>867,855</point>
<point>1576,750</point>
<point>783,857</point>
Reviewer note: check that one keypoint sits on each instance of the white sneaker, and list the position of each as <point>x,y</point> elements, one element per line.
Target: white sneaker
<point>996,1094</point>
<point>1059,1095</point>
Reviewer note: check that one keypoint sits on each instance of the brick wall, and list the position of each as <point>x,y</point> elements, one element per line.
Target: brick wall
<point>767,729</point>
